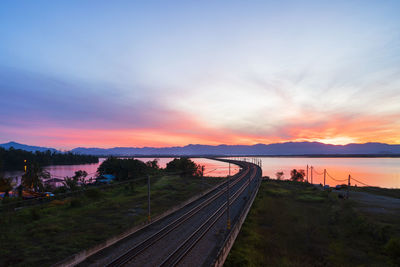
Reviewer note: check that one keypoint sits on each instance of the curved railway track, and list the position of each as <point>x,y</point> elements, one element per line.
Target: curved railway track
<point>177,256</point>
<point>208,212</point>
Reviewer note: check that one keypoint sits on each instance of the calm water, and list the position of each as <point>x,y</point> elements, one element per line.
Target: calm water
<point>212,168</point>
<point>382,172</point>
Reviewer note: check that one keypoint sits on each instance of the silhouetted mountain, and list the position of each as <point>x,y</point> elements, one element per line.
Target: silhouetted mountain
<point>26,147</point>
<point>289,148</point>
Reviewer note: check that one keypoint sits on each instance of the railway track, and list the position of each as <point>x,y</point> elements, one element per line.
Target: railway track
<point>177,256</point>
<point>238,185</point>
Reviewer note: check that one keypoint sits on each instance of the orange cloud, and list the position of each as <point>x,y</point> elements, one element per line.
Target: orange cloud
<point>182,130</point>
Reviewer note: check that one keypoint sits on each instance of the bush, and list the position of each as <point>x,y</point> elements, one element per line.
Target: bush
<point>75,203</point>
<point>93,193</point>
<point>392,248</point>
<point>35,214</point>
<point>60,190</point>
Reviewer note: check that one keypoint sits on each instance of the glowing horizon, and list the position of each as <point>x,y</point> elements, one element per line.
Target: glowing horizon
<point>155,74</point>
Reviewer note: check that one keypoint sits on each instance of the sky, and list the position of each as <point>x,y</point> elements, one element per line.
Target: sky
<point>172,73</point>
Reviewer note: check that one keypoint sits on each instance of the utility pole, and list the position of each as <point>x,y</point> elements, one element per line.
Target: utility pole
<point>311,175</point>
<point>228,218</point>
<point>348,186</point>
<point>148,199</point>
<point>324,176</point>
<point>307,173</point>
<point>248,187</point>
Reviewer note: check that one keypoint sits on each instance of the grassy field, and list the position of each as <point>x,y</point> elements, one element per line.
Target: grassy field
<point>45,234</point>
<point>295,224</point>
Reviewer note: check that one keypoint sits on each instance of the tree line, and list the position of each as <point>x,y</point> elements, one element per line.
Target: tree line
<point>126,169</point>
<point>14,159</point>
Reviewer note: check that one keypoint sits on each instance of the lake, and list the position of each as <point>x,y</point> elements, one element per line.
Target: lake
<point>382,172</point>
<point>212,168</point>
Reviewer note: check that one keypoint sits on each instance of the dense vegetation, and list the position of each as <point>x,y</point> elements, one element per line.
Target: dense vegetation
<point>295,224</point>
<point>126,169</point>
<point>45,234</point>
<point>13,159</point>
<point>185,167</point>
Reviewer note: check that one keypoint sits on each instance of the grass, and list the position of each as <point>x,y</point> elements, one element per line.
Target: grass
<point>294,224</point>
<point>45,234</point>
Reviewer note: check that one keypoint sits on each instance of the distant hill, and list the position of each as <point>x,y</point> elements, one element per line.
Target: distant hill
<point>26,147</point>
<point>278,149</point>
<point>289,148</point>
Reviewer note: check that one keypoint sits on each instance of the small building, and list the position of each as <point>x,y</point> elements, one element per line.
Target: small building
<point>105,178</point>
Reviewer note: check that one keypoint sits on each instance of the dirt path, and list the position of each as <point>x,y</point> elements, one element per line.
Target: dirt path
<point>376,204</point>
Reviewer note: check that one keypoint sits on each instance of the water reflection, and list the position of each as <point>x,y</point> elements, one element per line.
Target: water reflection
<point>212,168</point>
<point>382,172</point>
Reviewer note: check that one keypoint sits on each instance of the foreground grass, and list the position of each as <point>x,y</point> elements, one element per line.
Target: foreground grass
<point>45,234</point>
<point>294,224</point>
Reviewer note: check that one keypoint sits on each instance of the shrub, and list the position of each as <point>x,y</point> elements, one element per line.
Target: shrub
<point>392,248</point>
<point>75,203</point>
<point>93,193</point>
<point>35,214</point>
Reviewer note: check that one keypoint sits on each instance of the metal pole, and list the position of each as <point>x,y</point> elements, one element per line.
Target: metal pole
<point>307,173</point>
<point>248,187</point>
<point>324,176</point>
<point>148,199</point>
<point>348,187</point>
<point>311,175</point>
<point>228,219</point>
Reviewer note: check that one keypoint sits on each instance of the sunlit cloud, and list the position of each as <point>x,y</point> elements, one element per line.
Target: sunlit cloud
<point>156,75</point>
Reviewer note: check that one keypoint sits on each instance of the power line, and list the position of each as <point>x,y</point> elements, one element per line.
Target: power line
<point>317,172</point>
<point>360,182</point>
<point>337,180</point>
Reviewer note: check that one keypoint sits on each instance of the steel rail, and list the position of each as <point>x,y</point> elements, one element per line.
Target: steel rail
<point>135,251</point>
<point>179,253</point>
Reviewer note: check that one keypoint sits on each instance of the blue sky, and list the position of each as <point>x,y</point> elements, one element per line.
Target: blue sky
<point>160,73</point>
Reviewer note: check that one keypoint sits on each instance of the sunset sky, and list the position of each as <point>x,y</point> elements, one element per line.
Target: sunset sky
<point>165,73</point>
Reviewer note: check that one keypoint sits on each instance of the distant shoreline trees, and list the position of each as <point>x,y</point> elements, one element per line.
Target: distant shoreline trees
<point>13,159</point>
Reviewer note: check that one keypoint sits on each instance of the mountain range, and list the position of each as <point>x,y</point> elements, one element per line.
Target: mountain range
<point>16,145</point>
<point>277,149</point>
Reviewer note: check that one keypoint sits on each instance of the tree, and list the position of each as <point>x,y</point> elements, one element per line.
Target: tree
<point>279,175</point>
<point>153,164</point>
<point>72,183</point>
<point>80,176</point>
<point>185,167</point>
<point>13,159</point>
<point>33,178</point>
<point>123,169</point>
<point>297,175</point>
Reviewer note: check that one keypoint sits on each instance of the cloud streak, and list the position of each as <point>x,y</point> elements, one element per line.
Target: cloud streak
<point>142,74</point>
